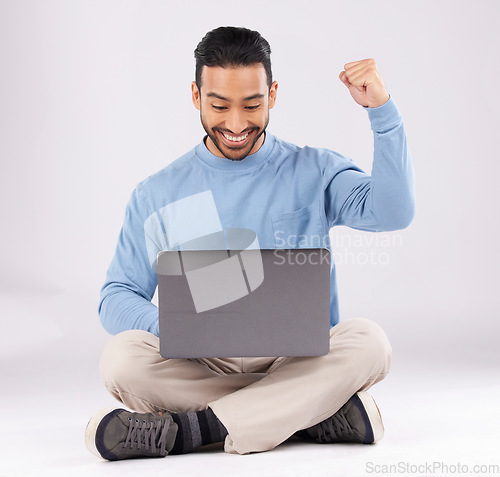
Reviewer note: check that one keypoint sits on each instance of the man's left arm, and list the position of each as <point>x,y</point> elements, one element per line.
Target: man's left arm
<point>386,199</point>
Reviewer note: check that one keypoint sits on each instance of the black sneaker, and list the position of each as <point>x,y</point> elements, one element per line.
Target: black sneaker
<point>119,434</point>
<point>358,420</point>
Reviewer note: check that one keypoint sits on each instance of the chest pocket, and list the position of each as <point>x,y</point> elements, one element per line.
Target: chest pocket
<point>302,228</point>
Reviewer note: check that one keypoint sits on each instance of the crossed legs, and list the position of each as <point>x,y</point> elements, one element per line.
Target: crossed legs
<point>260,401</point>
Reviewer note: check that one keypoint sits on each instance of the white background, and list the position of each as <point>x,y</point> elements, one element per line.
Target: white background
<point>95,96</point>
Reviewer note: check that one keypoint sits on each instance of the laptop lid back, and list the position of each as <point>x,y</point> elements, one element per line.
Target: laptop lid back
<point>244,303</point>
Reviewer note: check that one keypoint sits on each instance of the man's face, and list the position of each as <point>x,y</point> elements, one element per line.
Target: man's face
<point>234,108</point>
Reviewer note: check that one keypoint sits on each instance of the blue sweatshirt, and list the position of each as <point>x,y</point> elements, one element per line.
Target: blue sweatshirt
<point>290,196</point>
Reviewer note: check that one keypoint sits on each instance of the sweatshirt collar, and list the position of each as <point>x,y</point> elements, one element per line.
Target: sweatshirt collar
<point>249,162</point>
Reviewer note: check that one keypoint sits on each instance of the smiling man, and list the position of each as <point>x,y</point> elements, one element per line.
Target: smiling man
<point>241,175</point>
<point>236,120</point>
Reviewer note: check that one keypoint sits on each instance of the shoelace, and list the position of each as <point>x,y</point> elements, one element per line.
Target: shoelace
<point>337,427</point>
<point>150,436</point>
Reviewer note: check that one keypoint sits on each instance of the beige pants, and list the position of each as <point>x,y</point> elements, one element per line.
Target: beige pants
<point>260,401</point>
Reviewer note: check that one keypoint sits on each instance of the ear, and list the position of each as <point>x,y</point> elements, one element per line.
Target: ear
<point>272,94</point>
<point>195,93</point>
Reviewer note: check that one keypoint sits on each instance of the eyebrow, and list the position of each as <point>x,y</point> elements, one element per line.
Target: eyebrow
<point>248,98</point>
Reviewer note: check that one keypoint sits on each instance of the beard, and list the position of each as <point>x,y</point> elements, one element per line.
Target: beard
<point>237,153</point>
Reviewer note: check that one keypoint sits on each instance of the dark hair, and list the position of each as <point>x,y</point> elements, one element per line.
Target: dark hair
<point>232,46</point>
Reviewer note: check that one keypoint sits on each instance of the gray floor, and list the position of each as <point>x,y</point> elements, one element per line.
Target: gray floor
<point>435,413</point>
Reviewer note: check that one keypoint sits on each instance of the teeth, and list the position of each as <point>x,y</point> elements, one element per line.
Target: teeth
<point>235,139</point>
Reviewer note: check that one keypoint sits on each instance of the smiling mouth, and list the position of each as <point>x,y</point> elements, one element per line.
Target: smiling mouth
<point>231,140</point>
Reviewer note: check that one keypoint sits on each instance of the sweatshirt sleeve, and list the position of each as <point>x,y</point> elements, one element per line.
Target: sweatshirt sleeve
<point>385,200</point>
<point>130,280</point>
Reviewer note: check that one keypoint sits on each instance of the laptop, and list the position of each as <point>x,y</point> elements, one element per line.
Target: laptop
<point>244,303</point>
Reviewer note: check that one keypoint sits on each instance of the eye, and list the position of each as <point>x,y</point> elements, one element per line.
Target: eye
<point>218,108</point>
<point>253,107</point>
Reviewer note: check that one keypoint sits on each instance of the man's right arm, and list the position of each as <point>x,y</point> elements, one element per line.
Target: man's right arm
<point>130,280</point>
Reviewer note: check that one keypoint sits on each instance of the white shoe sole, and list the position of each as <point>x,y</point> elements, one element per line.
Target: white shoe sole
<point>91,429</point>
<point>373,415</point>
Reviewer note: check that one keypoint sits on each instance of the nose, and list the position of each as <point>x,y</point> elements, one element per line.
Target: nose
<point>235,121</point>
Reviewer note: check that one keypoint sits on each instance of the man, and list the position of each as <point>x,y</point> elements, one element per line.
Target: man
<point>251,179</point>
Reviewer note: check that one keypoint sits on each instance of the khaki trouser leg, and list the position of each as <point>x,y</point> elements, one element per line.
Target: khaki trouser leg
<point>261,401</point>
<point>135,373</point>
<point>301,392</point>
